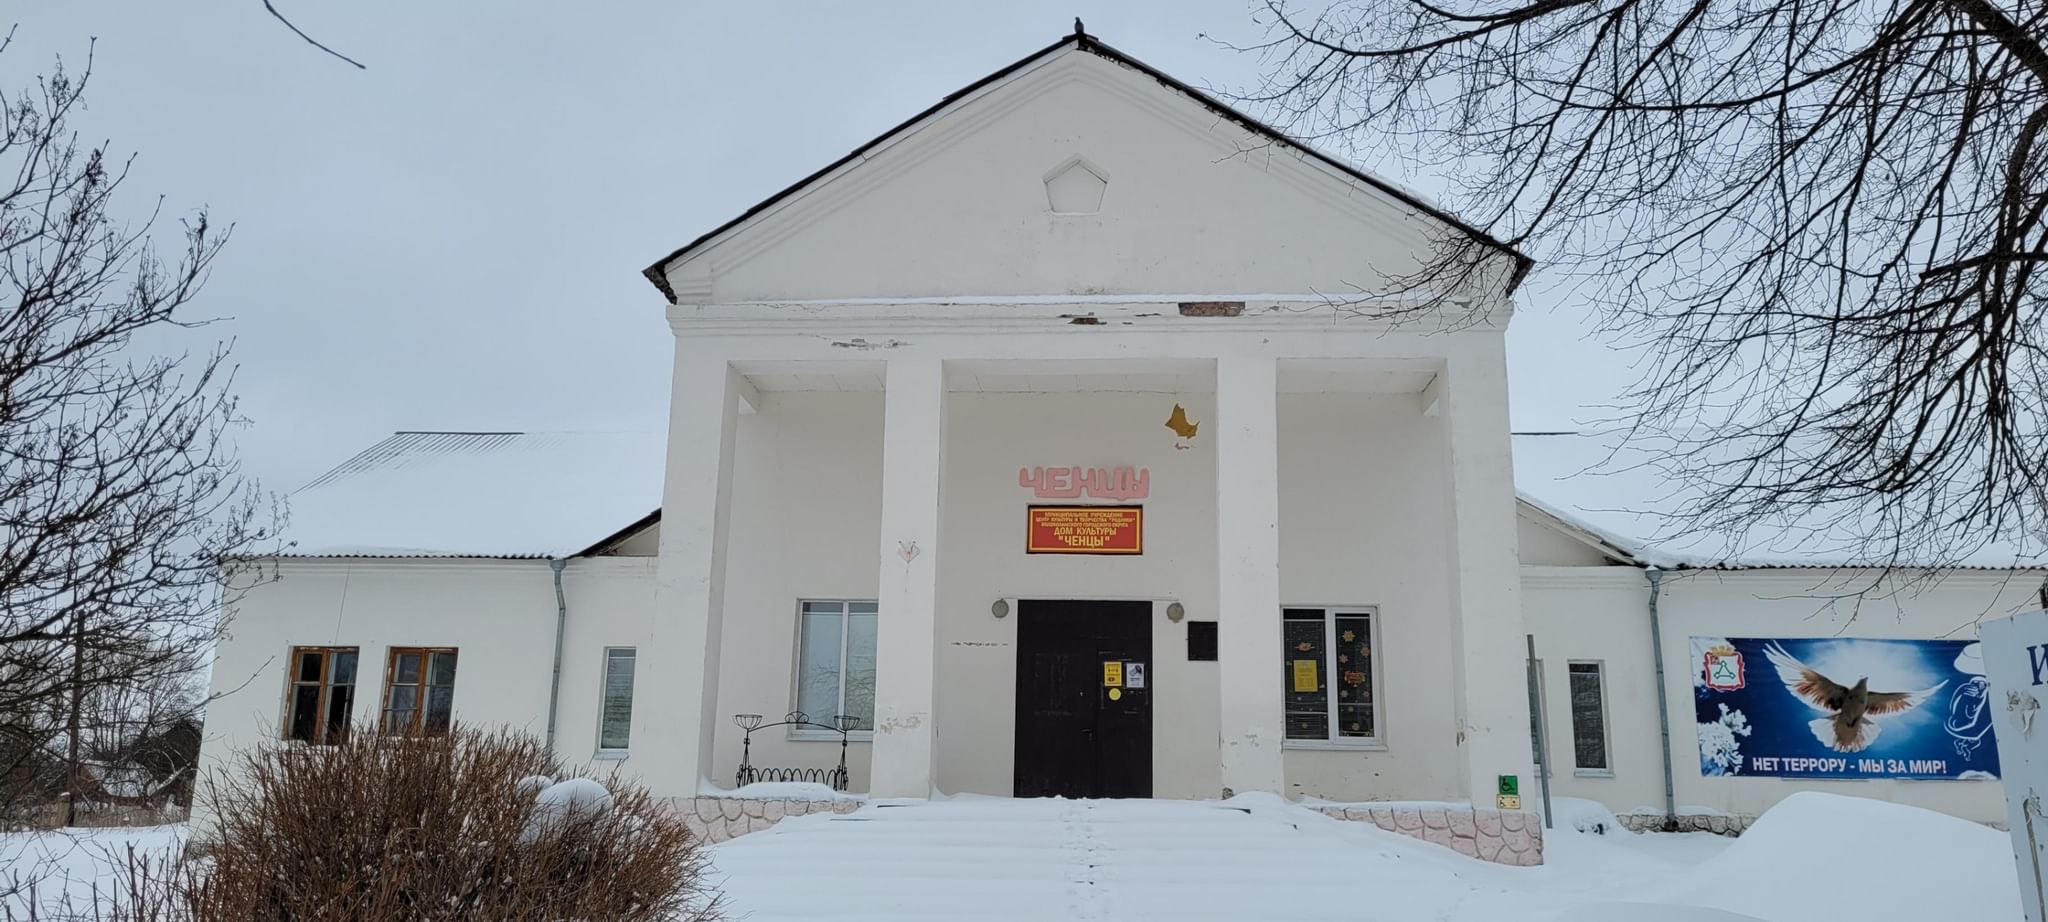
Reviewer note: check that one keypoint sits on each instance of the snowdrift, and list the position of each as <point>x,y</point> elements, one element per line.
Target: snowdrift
<point>1825,856</point>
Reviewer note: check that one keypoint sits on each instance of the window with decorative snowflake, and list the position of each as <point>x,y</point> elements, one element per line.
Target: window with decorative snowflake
<point>1328,675</point>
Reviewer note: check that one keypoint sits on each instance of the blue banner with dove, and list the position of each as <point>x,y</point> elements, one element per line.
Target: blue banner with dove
<point>1842,707</point>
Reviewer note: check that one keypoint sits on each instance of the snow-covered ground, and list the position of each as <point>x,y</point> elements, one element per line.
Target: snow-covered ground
<point>1255,857</point>
<point>72,867</point>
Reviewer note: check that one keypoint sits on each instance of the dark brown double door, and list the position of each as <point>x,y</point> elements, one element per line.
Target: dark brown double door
<point>1084,726</point>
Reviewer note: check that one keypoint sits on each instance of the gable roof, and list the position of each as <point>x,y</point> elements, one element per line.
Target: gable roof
<point>1081,41</point>
<point>480,494</point>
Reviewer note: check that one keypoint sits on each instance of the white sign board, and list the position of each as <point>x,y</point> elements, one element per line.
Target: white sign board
<point>2015,652</point>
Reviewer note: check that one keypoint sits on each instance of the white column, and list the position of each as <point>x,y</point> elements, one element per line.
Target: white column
<point>1248,573</point>
<point>913,449</point>
<point>675,734</point>
<point>1488,655</point>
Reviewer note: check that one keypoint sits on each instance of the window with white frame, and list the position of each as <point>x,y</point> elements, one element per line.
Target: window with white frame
<point>1327,672</point>
<point>1589,717</point>
<point>835,664</point>
<point>615,714</point>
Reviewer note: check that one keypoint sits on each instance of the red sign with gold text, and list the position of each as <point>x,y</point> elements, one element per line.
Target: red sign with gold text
<point>1086,530</point>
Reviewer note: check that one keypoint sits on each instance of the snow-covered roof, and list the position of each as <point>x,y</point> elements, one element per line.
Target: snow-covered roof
<point>1623,495</point>
<point>479,494</point>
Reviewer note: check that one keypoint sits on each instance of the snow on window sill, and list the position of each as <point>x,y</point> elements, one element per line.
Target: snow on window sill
<point>1341,745</point>
<point>1593,773</point>
<point>610,755</point>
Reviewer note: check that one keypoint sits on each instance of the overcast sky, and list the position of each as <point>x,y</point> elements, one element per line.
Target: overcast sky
<point>452,239</point>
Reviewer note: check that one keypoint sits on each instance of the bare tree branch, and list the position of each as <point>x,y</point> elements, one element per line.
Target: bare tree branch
<point>120,497</point>
<point>1823,221</point>
<point>309,39</point>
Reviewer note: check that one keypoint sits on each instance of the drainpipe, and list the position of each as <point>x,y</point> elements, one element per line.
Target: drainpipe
<point>561,625</point>
<point>1656,578</point>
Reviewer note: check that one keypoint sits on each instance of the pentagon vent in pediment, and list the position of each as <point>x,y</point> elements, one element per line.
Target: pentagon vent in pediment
<point>1076,186</point>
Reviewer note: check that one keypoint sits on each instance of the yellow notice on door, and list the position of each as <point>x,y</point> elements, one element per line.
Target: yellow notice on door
<point>1305,675</point>
<point>1112,673</point>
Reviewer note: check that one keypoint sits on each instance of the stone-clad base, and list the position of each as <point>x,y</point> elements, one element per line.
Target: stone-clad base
<point>718,819</point>
<point>1500,836</point>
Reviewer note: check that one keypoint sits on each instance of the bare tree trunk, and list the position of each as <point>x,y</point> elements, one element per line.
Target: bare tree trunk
<point>121,502</point>
<point>72,769</point>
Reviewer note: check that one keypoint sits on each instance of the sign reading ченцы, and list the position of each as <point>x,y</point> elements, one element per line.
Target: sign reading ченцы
<point>1085,530</point>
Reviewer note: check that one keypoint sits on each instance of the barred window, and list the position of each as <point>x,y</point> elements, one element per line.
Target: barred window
<point>1589,716</point>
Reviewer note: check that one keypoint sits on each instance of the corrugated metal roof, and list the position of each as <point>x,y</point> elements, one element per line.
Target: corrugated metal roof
<point>479,494</point>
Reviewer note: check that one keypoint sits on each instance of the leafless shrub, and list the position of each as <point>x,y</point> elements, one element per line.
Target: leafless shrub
<point>388,829</point>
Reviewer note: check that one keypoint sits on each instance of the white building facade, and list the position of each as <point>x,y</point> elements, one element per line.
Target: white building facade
<point>1029,438</point>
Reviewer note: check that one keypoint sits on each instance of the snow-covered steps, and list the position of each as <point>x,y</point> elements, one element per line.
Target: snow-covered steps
<point>992,858</point>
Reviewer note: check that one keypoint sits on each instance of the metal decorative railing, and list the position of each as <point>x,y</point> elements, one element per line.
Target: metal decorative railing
<point>749,773</point>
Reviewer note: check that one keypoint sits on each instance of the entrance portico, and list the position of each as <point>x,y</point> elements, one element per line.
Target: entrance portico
<point>1039,273</point>
<point>960,413</point>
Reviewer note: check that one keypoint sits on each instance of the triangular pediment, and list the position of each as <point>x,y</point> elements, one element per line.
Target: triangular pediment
<point>1077,171</point>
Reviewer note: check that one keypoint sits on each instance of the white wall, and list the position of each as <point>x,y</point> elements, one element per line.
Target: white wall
<point>806,513</point>
<point>1600,613</point>
<point>1360,486</point>
<point>1543,543</point>
<point>982,559</point>
<point>499,614</point>
<point>1361,523</point>
<point>1193,204</point>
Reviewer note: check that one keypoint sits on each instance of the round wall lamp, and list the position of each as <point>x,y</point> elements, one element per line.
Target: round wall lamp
<point>1175,612</point>
<point>1000,608</point>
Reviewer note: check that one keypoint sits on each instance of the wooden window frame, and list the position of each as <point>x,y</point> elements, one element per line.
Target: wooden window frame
<point>419,712</point>
<point>292,684</point>
<point>1332,739</point>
